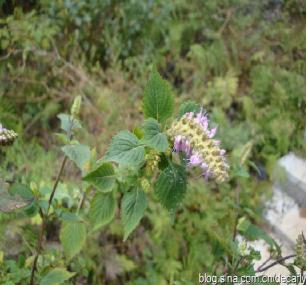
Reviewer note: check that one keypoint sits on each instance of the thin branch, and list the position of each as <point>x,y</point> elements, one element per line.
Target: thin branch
<point>278,261</point>
<point>240,259</point>
<point>56,183</point>
<point>238,190</point>
<point>45,216</point>
<point>44,222</point>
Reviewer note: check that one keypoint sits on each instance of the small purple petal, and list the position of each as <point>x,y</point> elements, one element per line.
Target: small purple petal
<point>204,166</point>
<point>195,160</point>
<point>186,147</point>
<point>177,143</point>
<point>222,151</point>
<point>202,120</point>
<point>189,115</point>
<point>212,133</point>
<point>206,175</point>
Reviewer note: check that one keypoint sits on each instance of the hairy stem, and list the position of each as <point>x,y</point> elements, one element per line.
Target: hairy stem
<point>45,216</point>
<point>44,222</point>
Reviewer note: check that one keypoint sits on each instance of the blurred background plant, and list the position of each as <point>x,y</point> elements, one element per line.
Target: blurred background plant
<point>243,60</point>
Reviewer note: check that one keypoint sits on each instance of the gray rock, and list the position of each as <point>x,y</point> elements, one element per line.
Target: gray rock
<point>291,177</point>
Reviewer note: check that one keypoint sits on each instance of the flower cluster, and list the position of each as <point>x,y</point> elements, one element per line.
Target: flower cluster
<point>192,136</point>
<point>7,137</point>
<point>152,161</point>
<point>300,249</point>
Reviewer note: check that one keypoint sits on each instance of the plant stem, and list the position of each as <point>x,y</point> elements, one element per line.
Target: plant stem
<point>241,258</point>
<point>278,261</point>
<point>82,200</point>
<point>45,216</point>
<point>238,190</point>
<point>44,222</point>
<point>56,183</point>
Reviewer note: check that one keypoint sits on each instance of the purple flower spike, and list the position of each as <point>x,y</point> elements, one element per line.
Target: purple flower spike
<point>193,137</point>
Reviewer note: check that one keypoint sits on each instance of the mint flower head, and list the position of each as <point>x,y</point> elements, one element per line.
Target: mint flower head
<point>193,137</point>
<point>7,137</point>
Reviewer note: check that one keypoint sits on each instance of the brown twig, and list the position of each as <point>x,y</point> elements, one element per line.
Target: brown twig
<point>278,261</point>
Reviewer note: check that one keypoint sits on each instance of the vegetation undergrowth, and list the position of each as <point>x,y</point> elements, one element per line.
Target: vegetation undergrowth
<point>242,61</point>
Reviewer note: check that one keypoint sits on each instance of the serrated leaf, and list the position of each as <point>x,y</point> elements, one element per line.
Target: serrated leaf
<point>188,106</point>
<point>56,276</point>
<point>103,177</point>
<point>125,149</point>
<point>78,153</point>
<point>158,100</point>
<point>133,207</point>
<point>72,236</point>
<point>170,186</point>
<point>68,122</point>
<point>102,209</point>
<point>153,135</point>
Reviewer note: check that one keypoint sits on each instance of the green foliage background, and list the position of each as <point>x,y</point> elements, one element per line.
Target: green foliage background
<point>243,60</point>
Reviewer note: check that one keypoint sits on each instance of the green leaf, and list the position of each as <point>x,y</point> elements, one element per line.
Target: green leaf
<point>171,186</point>
<point>78,153</point>
<point>253,232</point>
<point>153,135</point>
<point>22,190</point>
<point>133,207</point>
<point>70,217</point>
<point>102,177</point>
<point>102,209</point>
<point>243,224</point>
<point>68,123</point>
<point>240,171</point>
<point>125,149</point>
<point>158,100</point>
<point>72,236</point>
<point>188,106</point>
<point>9,203</point>
<point>56,276</point>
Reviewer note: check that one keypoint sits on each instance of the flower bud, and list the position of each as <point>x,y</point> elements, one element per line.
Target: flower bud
<point>300,249</point>
<point>152,161</point>
<point>7,137</point>
<point>75,109</point>
<point>243,248</point>
<point>145,184</point>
